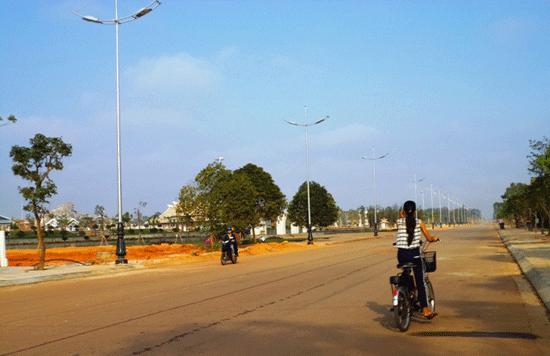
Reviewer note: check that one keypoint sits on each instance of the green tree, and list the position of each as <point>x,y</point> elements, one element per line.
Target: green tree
<point>143,204</point>
<point>324,211</point>
<point>86,222</point>
<point>238,206</point>
<point>187,204</point>
<point>540,192</point>
<point>516,203</point>
<point>34,164</point>
<point>99,211</point>
<point>127,217</point>
<point>11,120</point>
<point>154,219</point>
<point>209,196</point>
<point>539,159</point>
<point>63,222</point>
<point>269,202</point>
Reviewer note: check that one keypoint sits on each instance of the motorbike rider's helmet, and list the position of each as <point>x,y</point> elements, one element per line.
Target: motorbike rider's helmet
<point>228,229</point>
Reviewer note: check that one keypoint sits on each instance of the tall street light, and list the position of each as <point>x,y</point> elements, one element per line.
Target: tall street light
<point>432,198</point>
<point>374,159</point>
<point>120,247</point>
<point>309,233</point>
<point>416,181</point>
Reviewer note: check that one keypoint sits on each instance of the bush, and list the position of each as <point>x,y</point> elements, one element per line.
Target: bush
<point>20,234</point>
<point>154,230</point>
<point>131,231</point>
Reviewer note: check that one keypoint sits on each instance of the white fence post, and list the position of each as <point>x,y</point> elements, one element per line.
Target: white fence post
<point>3,259</point>
<point>281,224</point>
<point>294,229</point>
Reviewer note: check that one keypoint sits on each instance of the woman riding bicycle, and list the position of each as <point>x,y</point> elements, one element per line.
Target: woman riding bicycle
<point>408,245</point>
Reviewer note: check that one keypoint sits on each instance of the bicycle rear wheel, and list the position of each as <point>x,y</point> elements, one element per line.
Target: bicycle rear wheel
<point>402,310</point>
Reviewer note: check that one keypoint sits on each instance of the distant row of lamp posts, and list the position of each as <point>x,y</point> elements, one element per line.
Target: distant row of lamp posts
<point>121,247</point>
<point>459,206</point>
<point>306,125</point>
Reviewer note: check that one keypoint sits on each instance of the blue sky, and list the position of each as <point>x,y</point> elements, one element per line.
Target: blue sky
<point>452,90</point>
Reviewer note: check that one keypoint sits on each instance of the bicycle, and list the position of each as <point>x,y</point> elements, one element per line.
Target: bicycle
<point>404,291</point>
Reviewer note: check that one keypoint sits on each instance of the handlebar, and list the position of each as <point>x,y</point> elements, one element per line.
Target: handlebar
<point>427,243</point>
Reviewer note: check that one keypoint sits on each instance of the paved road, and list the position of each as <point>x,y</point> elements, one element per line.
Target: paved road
<point>328,300</point>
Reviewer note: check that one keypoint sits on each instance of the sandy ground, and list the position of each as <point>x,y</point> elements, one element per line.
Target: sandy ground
<point>153,255</point>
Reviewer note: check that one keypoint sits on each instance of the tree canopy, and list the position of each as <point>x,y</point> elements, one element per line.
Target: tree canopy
<point>324,211</point>
<point>524,203</point>
<point>11,120</point>
<point>539,159</point>
<point>34,164</point>
<point>268,202</point>
<point>219,197</point>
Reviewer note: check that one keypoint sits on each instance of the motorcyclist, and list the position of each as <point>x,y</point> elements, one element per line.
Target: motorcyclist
<point>230,235</point>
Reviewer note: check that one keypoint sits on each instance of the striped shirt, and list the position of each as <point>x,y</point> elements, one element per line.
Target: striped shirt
<point>402,235</point>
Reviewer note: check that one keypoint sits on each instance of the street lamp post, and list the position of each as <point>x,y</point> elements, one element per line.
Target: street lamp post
<point>439,193</point>
<point>432,199</point>
<point>416,181</point>
<point>374,159</point>
<point>121,248</point>
<point>306,125</point>
<point>423,207</point>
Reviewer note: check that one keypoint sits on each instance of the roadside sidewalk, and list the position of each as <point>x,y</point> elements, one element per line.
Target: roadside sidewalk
<point>532,253</point>
<point>11,276</point>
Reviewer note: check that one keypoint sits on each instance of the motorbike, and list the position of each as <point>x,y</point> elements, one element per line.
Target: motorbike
<point>228,250</point>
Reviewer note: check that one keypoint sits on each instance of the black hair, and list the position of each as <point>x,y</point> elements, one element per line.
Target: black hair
<point>410,219</point>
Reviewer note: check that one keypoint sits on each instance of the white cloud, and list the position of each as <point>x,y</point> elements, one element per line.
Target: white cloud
<point>171,75</point>
<point>344,136</point>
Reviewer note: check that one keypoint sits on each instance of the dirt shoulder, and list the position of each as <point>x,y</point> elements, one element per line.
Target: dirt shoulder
<point>153,255</point>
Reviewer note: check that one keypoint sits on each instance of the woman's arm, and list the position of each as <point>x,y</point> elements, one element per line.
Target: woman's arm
<point>426,233</point>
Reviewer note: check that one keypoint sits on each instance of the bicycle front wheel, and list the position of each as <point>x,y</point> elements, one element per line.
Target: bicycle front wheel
<point>431,295</point>
<point>402,310</point>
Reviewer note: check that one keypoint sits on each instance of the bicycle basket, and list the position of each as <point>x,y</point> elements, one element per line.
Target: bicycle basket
<point>429,261</point>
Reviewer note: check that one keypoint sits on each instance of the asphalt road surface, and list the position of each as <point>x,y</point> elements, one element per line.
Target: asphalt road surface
<point>332,300</point>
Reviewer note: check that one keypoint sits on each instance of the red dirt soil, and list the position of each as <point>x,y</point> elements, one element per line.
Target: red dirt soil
<point>156,254</point>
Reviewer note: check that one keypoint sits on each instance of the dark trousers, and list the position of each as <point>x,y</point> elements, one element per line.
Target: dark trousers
<point>413,255</point>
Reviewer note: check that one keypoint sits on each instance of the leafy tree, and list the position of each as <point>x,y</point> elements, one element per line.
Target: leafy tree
<point>87,222</point>
<point>63,222</point>
<point>139,216</point>
<point>238,206</point>
<point>100,213</point>
<point>540,192</point>
<point>539,159</point>
<point>269,201</point>
<point>127,217</point>
<point>186,208</point>
<point>392,214</point>
<point>324,211</point>
<point>154,219</point>
<point>209,196</point>
<point>35,164</point>
<point>11,120</point>
<point>516,203</point>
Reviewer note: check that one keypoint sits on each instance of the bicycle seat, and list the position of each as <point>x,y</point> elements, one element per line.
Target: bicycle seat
<point>406,265</point>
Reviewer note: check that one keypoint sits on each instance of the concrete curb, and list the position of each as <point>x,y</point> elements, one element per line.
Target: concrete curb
<point>32,277</point>
<point>540,283</point>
